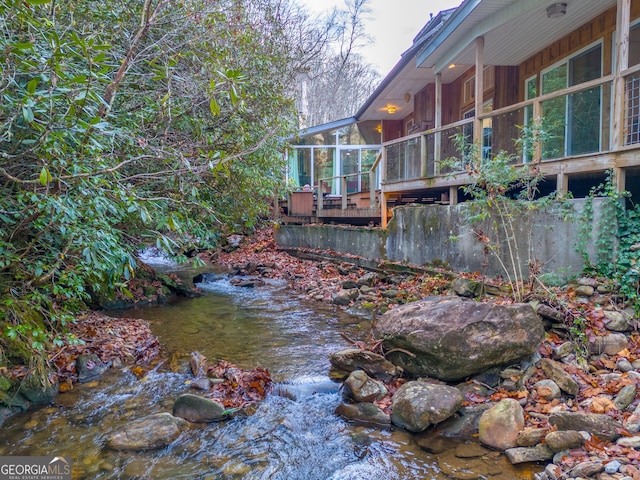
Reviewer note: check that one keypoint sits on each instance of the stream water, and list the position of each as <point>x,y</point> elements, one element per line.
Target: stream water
<point>291,437</point>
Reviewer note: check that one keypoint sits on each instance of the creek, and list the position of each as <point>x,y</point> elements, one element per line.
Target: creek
<point>290,436</point>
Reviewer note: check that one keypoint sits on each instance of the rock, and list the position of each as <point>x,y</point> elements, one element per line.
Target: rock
<point>38,388</point>
<point>600,425</point>
<point>348,284</point>
<point>368,279</point>
<point>470,450</point>
<point>361,388</point>
<point>625,397</point>
<point>564,440</point>
<point>90,367</point>
<point>632,423</point>
<point>366,414</point>
<point>453,338</point>
<point>418,405</point>
<point>556,372</point>
<point>547,389</point>
<point>202,383</point>
<point>154,431</point>
<point>500,425</point>
<point>197,409</point>
<point>587,469</point>
<point>584,290</point>
<point>198,364</point>
<point>344,297</point>
<point>617,321</point>
<point>612,467</point>
<point>563,350</point>
<point>624,365</point>
<point>373,364</point>
<point>609,344</point>
<point>539,453</point>
<point>631,442</point>
<point>531,436</point>
<point>465,287</point>
<point>392,293</point>
<point>549,313</point>
<point>464,424</point>
<point>498,290</point>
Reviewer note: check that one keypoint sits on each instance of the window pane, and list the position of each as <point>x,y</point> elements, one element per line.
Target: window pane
<point>634,45</point>
<point>324,169</point>
<point>554,113</point>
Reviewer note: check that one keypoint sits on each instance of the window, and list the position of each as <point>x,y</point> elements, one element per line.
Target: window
<point>572,123</point>
<point>531,91</point>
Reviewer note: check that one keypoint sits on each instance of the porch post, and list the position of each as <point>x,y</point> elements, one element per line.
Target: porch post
<point>437,124</point>
<point>562,183</point>
<point>344,192</point>
<point>623,21</point>
<point>453,195</point>
<point>620,179</point>
<point>477,124</point>
<point>383,209</point>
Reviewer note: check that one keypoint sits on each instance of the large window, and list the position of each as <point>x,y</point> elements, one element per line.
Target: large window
<point>572,123</point>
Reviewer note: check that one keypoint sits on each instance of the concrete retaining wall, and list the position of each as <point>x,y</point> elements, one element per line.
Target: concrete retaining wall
<point>440,235</point>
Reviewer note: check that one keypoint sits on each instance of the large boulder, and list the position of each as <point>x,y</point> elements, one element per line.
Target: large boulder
<point>154,431</point>
<point>361,388</point>
<point>418,405</point>
<point>453,338</point>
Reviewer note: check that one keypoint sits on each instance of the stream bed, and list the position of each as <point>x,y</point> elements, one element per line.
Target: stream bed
<point>290,436</point>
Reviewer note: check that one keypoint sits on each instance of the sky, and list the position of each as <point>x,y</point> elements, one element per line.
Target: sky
<point>392,23</point>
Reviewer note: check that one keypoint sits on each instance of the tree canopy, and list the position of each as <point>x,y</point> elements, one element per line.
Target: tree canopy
<point>121,123</point>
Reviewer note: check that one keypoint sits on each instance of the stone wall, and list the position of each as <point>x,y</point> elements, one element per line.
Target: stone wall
<point>441,235</point>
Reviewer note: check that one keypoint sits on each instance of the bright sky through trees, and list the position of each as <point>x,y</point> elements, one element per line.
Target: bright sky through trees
<point>392,23</point>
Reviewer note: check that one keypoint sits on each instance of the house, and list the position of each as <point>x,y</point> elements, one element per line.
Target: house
<point>487,72</point>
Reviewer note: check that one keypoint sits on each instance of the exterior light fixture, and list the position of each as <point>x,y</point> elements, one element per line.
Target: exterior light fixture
<point>453,65</point>
<point>391,109</point>
<point>407,97</point>
<point>556,10</point>
<point>379,128</point>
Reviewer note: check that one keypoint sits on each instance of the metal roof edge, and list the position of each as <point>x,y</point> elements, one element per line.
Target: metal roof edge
<point>454,21</point>
<point>305,132</point>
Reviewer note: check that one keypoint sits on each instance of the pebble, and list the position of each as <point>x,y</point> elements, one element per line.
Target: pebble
<point>612,467</point>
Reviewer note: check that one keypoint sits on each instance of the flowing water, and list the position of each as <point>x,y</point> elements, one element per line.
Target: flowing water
<point>289,437</point>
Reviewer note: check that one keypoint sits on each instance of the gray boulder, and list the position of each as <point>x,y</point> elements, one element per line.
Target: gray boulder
<point>453,338</point>
<point>148,433</point>
<point>418,405</point>
<point>197,409</point>
<point>90,367</point>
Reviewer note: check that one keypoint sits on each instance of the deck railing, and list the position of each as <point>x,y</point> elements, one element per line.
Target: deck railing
<point>568,122</point>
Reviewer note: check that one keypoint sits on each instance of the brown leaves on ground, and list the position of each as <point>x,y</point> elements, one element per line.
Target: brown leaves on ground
<point>114,340</point>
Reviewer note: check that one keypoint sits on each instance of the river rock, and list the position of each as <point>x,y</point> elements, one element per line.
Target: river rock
<point>547,389</point>
<point>345,296</point>
<point>153,431</point>
<point>366,414</point>
<point>600,425</point>
<point>90,367</point>
<point>618,321</point>
<point>500,425</point>
<point>373,364</point>
<point>556,372</point>
<point>539,453</point>
<point>361,388</point>
<point>453,338</point>
<point>466,287</point>
<point>464,424</point>
<point>418,405</point>
<point>625,397</point>
<point>368,279</point>
<point>38,388</point>
<point>609,344</point>
<point>531,436</point>
<point>587,469</point>
<point>197,409</point>
<point>632,423</point>
<point>564,440</point>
